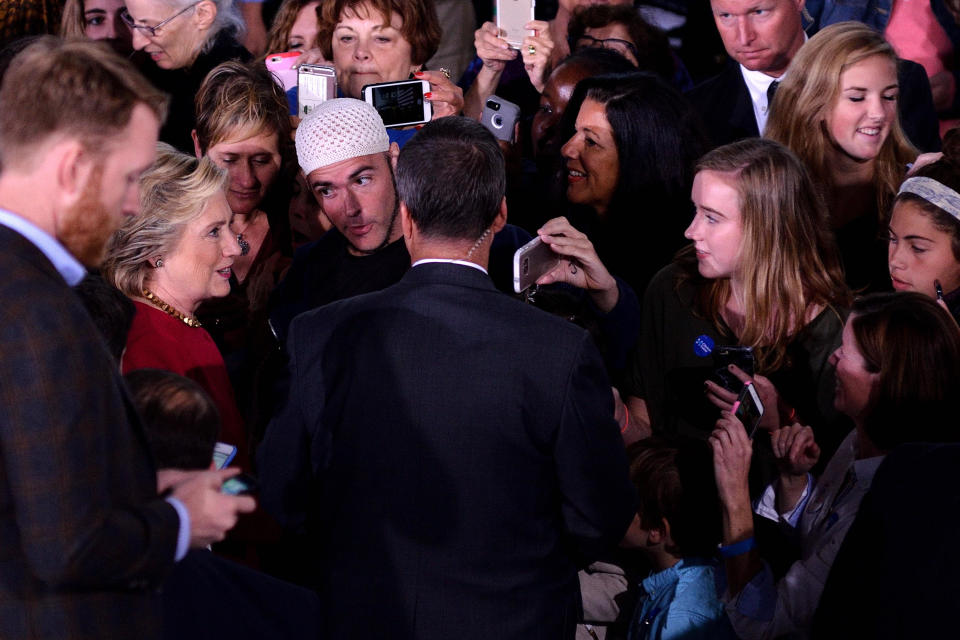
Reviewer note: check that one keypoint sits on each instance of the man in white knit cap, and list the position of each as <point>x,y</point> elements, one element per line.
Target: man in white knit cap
<point>348,163</point>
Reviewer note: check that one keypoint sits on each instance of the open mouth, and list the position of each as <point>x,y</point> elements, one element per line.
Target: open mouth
<point>225,272</point>
<point>869,131</point>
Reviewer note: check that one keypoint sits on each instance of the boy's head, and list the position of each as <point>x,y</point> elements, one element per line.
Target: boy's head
<point>181,420</point>
<point>678,507</point>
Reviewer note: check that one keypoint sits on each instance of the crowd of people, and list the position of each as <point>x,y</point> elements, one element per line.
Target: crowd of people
<point>272,377</point>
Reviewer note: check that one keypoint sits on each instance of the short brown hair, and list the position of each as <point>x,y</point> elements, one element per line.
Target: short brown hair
<point>236,97</point>
<point>81,89</point>
<point>914,347</point>
<point>421,26</point>
<point>674,480</point>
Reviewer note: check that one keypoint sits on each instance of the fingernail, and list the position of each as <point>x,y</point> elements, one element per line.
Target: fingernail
<point>730,367</point>
<point>428,95</point>
<point>418,74</point>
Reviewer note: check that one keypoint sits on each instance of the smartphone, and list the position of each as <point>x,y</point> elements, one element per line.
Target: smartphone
<point>499,117</point>
<point>725,356</point>
<point>511,16</point>
<point>240,485</point>
<point>223,454</point>
<point>748,409</point>
<point>281,66</point>
<point>316,83</point>
<point>400,104</point>
<point>531,261</point>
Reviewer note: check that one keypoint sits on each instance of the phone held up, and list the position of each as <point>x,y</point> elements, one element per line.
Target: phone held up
<point>530,262</point>
<point>317,83</point>
<point>749,409</point>
<point>500,117</point>
<point>400,104</point>
<point>511,16</point>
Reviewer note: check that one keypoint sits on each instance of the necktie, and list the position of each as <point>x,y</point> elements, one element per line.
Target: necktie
<point>772,91</point>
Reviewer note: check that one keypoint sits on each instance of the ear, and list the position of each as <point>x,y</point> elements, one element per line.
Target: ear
<point>661,534</point>
<point>501,219</point>
<point>406,223</point>
<point>205,14</point>
<point>197,151</point>
<point>394,152</point>
<point>72,166</point>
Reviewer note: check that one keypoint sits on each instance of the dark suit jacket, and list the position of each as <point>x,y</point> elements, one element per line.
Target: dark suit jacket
<point>83,536</point>
<point>724,103</point>
<point>451,450</point>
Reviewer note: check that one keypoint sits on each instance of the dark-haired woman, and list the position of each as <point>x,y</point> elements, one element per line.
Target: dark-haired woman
<point>898,377</point>
<point>924,245</point>
<point>631,144</point>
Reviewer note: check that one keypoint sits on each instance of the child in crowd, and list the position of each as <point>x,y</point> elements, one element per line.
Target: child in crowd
<point>677,527</point>
<point>179,417</point>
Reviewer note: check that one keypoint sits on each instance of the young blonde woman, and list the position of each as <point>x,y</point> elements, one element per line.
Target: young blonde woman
<point>762,272</point>
<point>837,110</point>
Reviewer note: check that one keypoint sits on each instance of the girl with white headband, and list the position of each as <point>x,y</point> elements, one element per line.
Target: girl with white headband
<point>924,246</point>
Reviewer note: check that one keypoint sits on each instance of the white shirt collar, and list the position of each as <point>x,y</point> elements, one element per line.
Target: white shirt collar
<point>757,84</point>
<point>465,263</point>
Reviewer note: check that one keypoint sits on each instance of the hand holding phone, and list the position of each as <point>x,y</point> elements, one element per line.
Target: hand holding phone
<point>727,355</point>
<point>530,262</point>
<point>511,17</point>
<point>400,104</point>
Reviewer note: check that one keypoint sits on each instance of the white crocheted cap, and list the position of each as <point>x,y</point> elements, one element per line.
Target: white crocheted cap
<point>337,130</point>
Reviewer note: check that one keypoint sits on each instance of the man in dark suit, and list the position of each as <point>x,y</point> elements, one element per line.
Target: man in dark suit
<point>451,450</point>
<point>761,40</point>
<point>84,538</point>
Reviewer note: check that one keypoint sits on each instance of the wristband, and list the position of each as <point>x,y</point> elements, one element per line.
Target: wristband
<point>737,548</point>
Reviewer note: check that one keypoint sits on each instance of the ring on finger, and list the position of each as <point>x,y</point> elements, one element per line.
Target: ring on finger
<point>532,50</point>
<point>445,72</point>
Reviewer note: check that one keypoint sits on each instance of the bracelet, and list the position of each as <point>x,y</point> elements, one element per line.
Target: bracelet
<point>626,423</point>
<point>737,548</point>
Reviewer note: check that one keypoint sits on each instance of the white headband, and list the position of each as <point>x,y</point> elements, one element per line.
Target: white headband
<point>935,193</point>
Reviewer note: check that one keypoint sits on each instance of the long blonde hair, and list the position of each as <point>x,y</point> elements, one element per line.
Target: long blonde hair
<point>788,258</point>
<point>808,93</point>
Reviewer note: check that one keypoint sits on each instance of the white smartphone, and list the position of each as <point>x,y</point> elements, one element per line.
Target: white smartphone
<point>317,83</point>
<point>511,16</point>
<point>400,104</point>
<point>531,261</point>
<point>748,409</point>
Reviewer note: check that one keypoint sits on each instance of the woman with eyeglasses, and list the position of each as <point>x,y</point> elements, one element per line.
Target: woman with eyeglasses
<point>177,43</point>
<point>620,28</point>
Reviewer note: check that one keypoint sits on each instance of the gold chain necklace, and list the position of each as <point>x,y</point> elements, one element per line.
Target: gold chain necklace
<point>166,308</point>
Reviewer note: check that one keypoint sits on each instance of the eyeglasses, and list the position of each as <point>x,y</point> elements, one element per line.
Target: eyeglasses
<point>615,44</point>
<point>152,31</point>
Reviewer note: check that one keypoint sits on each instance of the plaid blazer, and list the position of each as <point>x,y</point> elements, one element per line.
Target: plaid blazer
<point>84,539</point>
